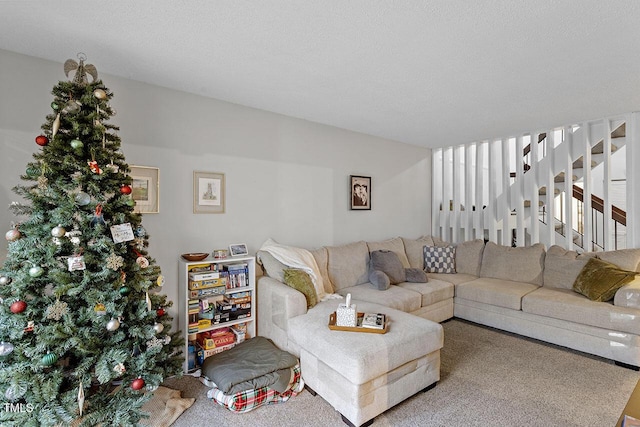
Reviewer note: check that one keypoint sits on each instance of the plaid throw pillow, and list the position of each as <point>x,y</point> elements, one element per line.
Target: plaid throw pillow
<point>439,259</point>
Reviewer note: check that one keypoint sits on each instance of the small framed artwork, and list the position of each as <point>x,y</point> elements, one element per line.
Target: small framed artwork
<point>145,188</point>
<point>360,193</point>
<point>238,249</point>
<point>208,192</point>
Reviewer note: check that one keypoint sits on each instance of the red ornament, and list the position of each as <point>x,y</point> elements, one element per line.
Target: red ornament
<point>125,189</point>
<point>18,307</point>
<point>137,384</point>
<point>42,140</point>
<point>160,312</point>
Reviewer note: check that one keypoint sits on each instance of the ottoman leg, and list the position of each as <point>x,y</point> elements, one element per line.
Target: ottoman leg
<point>310,390</point>
<point>350,424</point>
<point>429,387</point>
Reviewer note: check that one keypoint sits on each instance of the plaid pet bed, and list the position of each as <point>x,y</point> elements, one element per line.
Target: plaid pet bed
<point>245,401</point>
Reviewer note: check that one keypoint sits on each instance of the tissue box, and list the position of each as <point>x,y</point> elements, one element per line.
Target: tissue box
<point>346,316</point>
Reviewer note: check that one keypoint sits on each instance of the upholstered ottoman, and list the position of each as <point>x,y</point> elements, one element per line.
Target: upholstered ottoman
<point>363,374</point>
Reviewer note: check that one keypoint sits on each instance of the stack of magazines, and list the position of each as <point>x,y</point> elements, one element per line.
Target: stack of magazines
<point>373,320</point>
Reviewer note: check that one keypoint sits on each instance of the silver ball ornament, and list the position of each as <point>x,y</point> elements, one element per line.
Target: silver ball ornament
<point>158,327</point>
<point>36,271</point>
<point>58,231</point>
<point>12,235</point>
<point>76,144</point>
<point>83,199</point>
<point>113,324</point>
<point>6,348</point>
<point>4,280</point>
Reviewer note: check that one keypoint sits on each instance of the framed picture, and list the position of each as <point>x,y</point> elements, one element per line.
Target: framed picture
<point>208,192</point>
<point>145,188</point>
<point>238,249</point>
<point>360,193</point>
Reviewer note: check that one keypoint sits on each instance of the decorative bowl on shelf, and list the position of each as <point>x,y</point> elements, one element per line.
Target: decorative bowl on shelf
<point>195,256</point>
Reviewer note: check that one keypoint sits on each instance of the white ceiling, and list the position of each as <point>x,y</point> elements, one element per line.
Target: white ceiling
<point>431,73</point>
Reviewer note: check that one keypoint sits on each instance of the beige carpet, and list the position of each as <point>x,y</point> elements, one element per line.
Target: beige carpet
<point>165,407</point>
<point>488,378</point>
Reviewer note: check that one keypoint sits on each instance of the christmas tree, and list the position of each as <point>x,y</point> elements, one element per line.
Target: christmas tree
<point>83,331</point>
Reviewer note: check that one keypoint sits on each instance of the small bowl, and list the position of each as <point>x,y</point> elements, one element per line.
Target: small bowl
<point>195,256</point>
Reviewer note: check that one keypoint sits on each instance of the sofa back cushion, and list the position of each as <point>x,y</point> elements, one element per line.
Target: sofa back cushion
<point>348,265</point>
<point>469,257</point>
<point>394,245</point>
<point>322,259</point>
<point>271,266</point>
<point>414,247</point>
<point>626,259</point>
<point>523,264</point>
<point>561,267</point>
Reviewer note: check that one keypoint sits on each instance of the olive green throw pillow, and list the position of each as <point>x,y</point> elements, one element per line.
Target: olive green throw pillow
<point>300,281</point>
<point>599,280</point>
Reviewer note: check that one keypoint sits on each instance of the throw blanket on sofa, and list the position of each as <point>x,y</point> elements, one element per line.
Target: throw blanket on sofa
<point>252,364</point>
<point>297,258</point>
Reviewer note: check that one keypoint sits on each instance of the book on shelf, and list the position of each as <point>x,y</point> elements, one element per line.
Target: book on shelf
<point>373,320</point>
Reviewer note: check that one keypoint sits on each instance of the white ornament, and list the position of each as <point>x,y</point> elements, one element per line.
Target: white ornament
<point>155,342</point>
<point>114,261</point>
<point>148,300</point>
<point>142,262</point>
<point>81,398</point>
<point>119,368</point>
<point>76,263</point>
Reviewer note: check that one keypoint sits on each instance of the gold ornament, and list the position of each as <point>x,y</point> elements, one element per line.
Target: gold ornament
<point>100,94</point>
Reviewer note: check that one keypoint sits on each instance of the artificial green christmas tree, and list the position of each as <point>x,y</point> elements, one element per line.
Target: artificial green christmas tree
<point>83,331</point>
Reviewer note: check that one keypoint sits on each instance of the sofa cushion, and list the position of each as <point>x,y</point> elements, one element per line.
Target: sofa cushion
<point>565,304</point>
<point>414,250</point>
<point>525,264</point>
<point>394,245</point>
<point>322,259</point>
<point>561,267</point>
<point>599,280</point>
<point>499,292</point>
<point>271,266</point>
<point>439,259</point>
<point>395,297</point>
<point>628,295</point>
<point>388,262</point>
<point>348,265</point>
<point>455,279</point>
<point>301,281</point>
<point>626,259</point>
<point>469,257</point>
<point>432,292</point>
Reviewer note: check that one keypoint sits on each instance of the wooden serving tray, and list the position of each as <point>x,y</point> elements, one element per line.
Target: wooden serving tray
<point>333,327</point>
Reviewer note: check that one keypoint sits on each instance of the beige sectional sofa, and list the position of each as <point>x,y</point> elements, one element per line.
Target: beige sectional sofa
<point>521,290</point>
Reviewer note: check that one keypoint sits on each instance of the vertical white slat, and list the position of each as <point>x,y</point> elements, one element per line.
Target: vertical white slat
<point>447,191</point>
<point>491,215</point>
<point>587,219</point>
<point>632,147</point>
<point>607,230</point>
<point>480,185</point>
<point>568,188</point>
<point>518,203</point>
<point>457,194</point>
<point>534,190</point>
<point>436,191</point>
<point>469,192</point>
<point>550,231</point>
<point>505,206</point>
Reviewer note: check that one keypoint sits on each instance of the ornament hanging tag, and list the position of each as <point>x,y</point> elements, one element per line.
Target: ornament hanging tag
<point>122,233</point>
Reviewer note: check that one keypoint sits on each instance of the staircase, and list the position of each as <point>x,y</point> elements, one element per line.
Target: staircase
<point>517,209</point>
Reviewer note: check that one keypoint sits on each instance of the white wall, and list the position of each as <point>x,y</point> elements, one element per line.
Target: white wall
<point>286,178</point>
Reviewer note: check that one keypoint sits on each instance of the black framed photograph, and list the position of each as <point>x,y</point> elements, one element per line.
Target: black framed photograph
<point>360,193</point>
<point>238,249</point>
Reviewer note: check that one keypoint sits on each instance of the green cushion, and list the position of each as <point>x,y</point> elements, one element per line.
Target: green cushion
<point>300,281</point>
<point>599,280</point>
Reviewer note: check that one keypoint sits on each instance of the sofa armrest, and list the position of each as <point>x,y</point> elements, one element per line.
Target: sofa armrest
<point>628,295</point>
<point>277,303</point>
